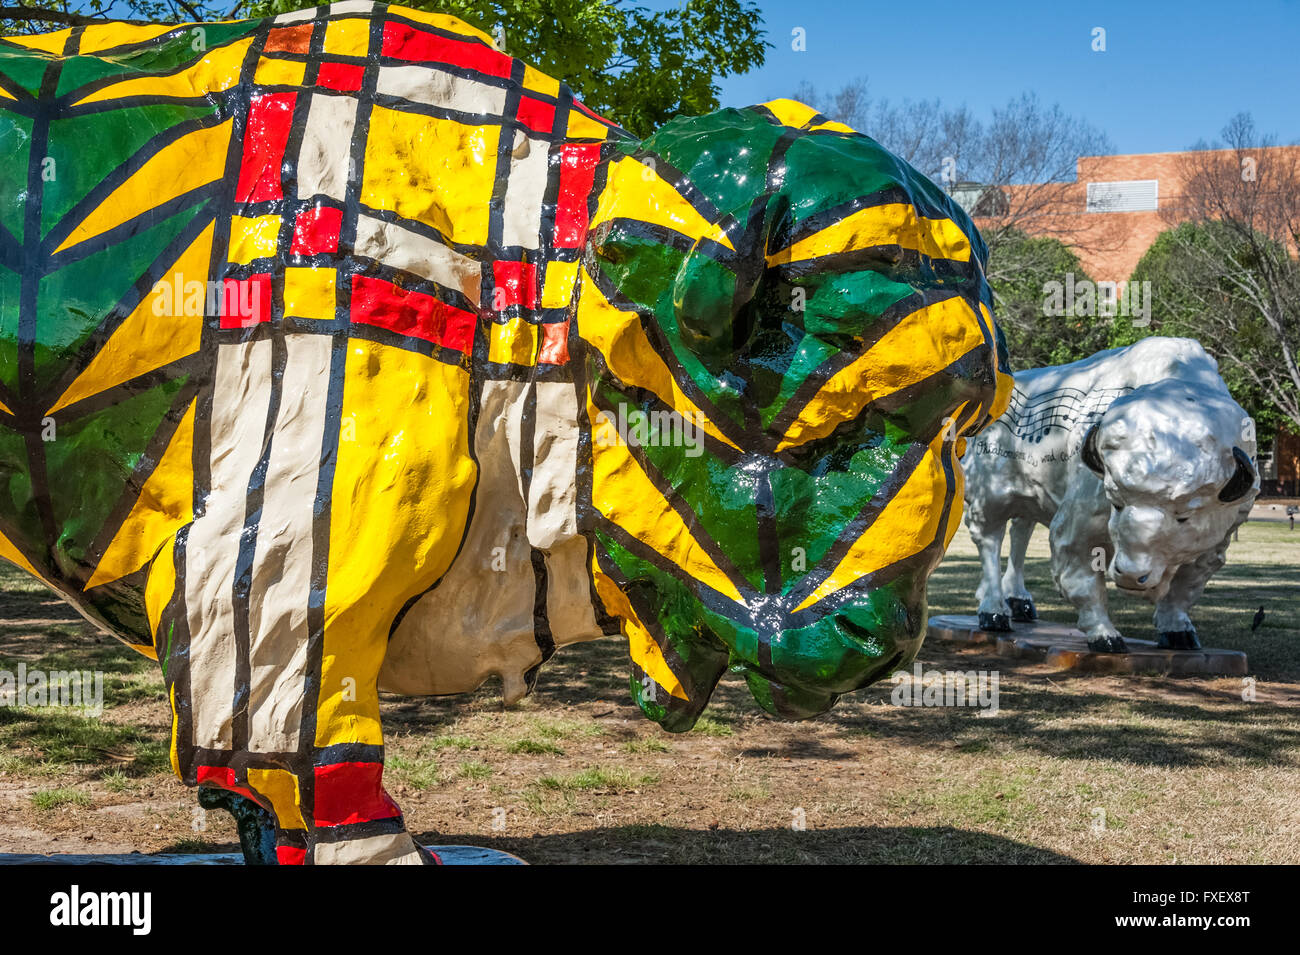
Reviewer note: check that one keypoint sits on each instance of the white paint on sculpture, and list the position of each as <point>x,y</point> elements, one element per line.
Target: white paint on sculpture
<point>1139,462</point>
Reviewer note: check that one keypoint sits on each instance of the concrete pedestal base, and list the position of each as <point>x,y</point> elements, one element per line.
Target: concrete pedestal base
<point>1066,648</point>
<point>450,855</point>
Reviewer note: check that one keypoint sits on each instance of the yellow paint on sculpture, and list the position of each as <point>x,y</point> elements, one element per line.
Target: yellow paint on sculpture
<point>106,36</point>
<point>402,487</point>
<point>309,293</point>
<point>802,116</point>
<point>514,342</point>
<point>908,524</point>
<point>176,725</point>
<point>194,160</point>
<point>618,336</point>
<point>791,112</point>
<point>581,126</point>
<point>219,70</point>
<point>164,506</point>
<point>45,42</point>
<point>923,343</point>
<point>965,421</point>
<point>12,554</point>
<point>443,22</point>
<point>349,37</point>
<point>622,491</point>
<point>253,237</point>
<point>154,334</point>
<point>273,71</point>
<point>160,585</point>
<point>436,171</point>
<point>280,788</point>
<point>643,649</point>
<point>536,81</point>
<point>892,224</point>
<point>557,289</point>
<point>636,191</point>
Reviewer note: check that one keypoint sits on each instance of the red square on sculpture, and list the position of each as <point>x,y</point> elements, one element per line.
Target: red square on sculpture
<point>577,173</point>
<point>555,343</point>
<point>245,302</point>
<point>516,284</point>
<point>411,314</point>
<point>265,138</point>
<point>290,855</point>
<point>403,43</point>
<point>344,77</point>
<point>223,777</point>
<point>352,792</point>
<point>316,230</point>
<point>536,115</point>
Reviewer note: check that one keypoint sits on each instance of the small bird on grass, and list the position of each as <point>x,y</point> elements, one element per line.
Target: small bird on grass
<point>1259,618</point>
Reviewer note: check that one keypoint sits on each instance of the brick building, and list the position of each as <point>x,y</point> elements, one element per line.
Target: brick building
<point>1109,216</point>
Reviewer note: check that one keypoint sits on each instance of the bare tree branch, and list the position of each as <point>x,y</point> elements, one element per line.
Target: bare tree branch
<point>24,14</point>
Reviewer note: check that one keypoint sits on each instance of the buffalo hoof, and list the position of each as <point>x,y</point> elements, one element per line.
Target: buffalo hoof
<point>1113,644</point>
<point>255,825</point>
<point>1022,611</point>
<point>1178,640</point>
<point>995,622</point>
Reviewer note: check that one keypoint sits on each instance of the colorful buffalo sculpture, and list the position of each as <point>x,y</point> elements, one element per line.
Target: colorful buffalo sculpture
<point>342,352</point>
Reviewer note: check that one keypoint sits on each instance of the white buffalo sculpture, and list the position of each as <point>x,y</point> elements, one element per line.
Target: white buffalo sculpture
<point>1139,462</point>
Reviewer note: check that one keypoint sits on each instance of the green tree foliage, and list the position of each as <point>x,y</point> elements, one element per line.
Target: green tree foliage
<point>1020,268</point>
<point>636,66</point>
<point>1189,301</point>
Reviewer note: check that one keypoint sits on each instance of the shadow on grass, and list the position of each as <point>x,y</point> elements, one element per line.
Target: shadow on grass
<point>1039,717</point>
<point>654,844</point>
<point>1189,725</point>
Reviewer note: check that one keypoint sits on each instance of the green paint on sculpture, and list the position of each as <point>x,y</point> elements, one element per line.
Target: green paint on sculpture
<point>118,135</point>
<point>90,455</point>
<point>779,520</point>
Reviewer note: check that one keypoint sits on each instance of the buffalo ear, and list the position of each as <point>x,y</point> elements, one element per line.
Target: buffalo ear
<point>1242,480</point>
<point>1091,456</point>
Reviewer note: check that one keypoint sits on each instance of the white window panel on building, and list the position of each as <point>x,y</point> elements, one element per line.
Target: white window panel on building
<point>1137,195</point>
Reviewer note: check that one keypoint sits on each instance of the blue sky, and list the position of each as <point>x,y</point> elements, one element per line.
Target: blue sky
<point>1172,72</point>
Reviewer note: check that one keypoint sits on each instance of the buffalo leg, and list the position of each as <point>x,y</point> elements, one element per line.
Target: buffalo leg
<point>256,825</point>
<point>1172,618</point>
<point>316,805</point>
<point>994,614</point>
<point>1018,596</point>
<point>292,738</point>
<point>1081,550</point>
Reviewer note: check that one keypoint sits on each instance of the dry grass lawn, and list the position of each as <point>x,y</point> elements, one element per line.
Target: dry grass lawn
<point>1142,769</point>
